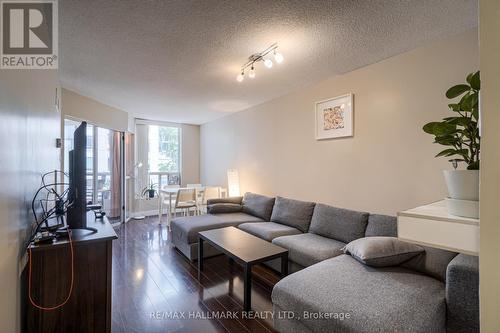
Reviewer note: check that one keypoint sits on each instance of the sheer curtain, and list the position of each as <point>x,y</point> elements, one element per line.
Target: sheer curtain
<point>116,175</point>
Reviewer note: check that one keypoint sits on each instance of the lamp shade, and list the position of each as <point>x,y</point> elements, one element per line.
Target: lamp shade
<point>233,183</point>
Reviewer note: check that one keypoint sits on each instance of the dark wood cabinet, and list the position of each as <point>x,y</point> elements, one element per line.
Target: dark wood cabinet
<point>89,307</point>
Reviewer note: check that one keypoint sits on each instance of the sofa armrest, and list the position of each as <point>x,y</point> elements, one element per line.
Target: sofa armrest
<point>230,200</point>
<point>462,294</point>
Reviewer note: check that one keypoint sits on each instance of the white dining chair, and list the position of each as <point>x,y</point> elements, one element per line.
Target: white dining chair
<point>199,192</point>
<point>165,200</point>
<point>185,200</point>
<point>210,192</point>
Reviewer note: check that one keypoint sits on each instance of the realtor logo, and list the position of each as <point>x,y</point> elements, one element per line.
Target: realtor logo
<point>28,34</point>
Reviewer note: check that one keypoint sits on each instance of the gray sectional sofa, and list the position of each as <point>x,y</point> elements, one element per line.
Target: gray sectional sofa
<point>434,291</point>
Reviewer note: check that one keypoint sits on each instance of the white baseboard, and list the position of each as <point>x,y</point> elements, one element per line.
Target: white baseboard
<point>153,212</point>
<point>145,213</point>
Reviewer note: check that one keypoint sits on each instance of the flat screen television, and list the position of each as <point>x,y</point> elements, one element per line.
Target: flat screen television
<point>77,211</point>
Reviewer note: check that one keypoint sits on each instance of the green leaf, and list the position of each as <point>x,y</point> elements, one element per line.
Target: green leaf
<point>450,152</point>
<point>469,77</point>
<point>460,121</point>
<point>463,152</point>
<point>469,102</point>
<point>474,100</point>
<point>447,140</point>
<point>454,107</point>
<point>441,129</point>
<point>465,103</point>
<point>475,114</point>
<point>457,90</point>
<point>447,152</point>
<point>429,127</point>
<point>475,81</point>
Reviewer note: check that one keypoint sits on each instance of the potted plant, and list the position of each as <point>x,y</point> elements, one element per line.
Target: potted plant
<point>149,191</point>
<point>460,134</point>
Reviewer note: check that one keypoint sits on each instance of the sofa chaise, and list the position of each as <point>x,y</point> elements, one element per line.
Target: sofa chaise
<point>434,291</point>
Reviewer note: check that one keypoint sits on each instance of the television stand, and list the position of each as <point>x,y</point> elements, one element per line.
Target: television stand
<point>89,307</point>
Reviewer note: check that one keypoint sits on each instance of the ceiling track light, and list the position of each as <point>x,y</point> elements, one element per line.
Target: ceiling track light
<point>262,56</point>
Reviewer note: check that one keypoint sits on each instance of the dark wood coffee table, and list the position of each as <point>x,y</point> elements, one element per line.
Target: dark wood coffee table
<point>245,249</point>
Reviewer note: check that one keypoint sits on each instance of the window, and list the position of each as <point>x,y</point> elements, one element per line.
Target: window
<point>163,148</point>
<point>103,166</point>
<point>158,150</point>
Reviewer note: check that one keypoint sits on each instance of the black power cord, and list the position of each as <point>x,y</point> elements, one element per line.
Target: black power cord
<point>48,203</point>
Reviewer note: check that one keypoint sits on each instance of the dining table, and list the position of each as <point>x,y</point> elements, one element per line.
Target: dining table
<point>171,192</point>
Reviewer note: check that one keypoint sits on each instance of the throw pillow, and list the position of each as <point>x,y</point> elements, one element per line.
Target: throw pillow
<point>382,251</point>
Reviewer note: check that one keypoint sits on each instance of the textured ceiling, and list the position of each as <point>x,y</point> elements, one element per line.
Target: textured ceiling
<point>177,60</point>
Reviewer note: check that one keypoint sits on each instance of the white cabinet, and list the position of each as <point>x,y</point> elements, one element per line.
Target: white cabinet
<point>431,225</point>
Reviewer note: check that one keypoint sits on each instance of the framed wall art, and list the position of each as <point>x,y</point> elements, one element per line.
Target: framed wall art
<point>335,117</point>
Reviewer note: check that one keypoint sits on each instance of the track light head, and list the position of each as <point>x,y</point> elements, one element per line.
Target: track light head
<point>240,77</point>
<point>278,57</point>
<point>251,73</point>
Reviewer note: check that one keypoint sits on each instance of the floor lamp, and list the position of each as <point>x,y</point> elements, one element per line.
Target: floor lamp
<point>233,183</point>
<point>137,166</point>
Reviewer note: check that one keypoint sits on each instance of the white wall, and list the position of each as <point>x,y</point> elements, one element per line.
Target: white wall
<point>96,113</point>
<point>387,166</point>
<point>489,269</point>
<point>29,126</point>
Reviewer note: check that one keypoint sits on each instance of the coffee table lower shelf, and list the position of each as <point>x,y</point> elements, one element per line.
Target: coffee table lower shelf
<point>245,249</point>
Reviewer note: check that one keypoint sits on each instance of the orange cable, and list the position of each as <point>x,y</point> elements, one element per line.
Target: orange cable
<point>71,285</point>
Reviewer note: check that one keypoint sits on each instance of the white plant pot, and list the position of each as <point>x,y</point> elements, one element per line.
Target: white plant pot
<point>462,184</point>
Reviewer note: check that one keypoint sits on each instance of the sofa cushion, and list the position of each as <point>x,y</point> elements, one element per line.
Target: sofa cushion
<point>389,299</point>
<point>258,205</point>
<point>231,200</point>
<point>382,251</point>
<point>223,208</point>
<point>185,229</point>
<point>382,225</point>
<point>268,230</point>
<point>338,223</point>
<point>308,249</point>
<point>293,213</point>
<point>432,262</point>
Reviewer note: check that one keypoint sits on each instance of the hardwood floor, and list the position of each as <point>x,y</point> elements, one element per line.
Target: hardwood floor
<point>156,289</point>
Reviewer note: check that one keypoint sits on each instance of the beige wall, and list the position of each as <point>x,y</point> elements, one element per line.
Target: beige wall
<point>490,166</point>
<point>387,166</point>
<point>96,113</point>
<point>190,154</point>
<point>29,126</point>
